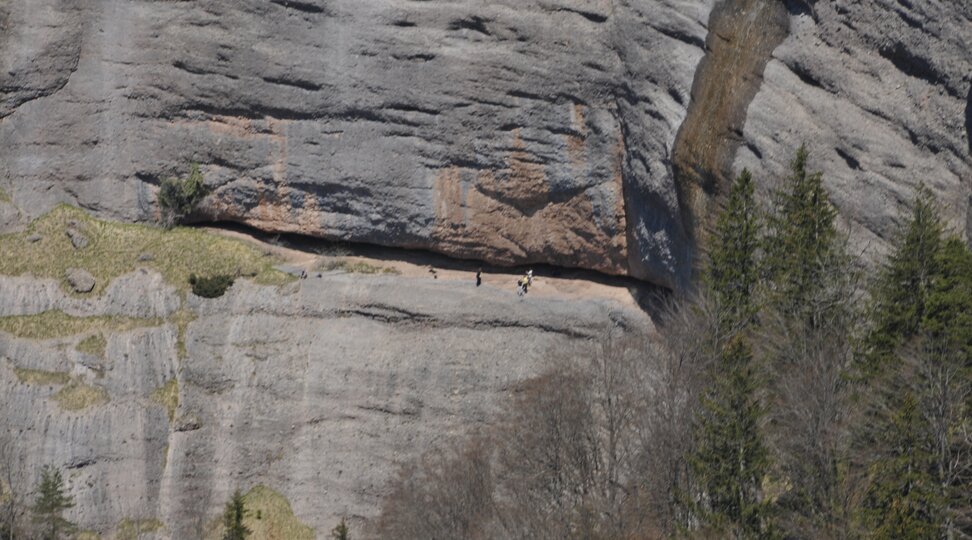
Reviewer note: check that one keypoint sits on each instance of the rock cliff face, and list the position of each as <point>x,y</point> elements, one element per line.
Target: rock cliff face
<point>509,131</point>
<point>317,389</point>
<point>585,133</point>
<point>880,92</point>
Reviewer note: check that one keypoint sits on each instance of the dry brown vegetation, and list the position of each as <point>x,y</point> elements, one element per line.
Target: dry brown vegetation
<point>591,449</point>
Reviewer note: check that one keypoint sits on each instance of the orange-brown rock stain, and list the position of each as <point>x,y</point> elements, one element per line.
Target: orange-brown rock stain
<point>509,216</point>
<point>275,209</point>
<point>576,144</point>
<point>741,40</point>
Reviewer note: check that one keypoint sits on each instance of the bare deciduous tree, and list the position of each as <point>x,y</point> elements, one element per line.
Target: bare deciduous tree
<point>811,414</point>
<point>12,488</point>
<point>943,384</point>
<point>593,448</point>
<point>447,494</point>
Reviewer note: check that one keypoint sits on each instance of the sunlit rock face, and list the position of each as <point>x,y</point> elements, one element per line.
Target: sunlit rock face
<point>512,132</point>
<point>586,133</point>
<point>319,389</point>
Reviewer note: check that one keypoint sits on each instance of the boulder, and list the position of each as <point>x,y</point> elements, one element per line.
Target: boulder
<point>80,280</point>
<point>78,239</point>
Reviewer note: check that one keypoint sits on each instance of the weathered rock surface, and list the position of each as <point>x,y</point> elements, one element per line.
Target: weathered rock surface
<point>513,131</point>
<point>80,280</point>
<point>78,239</point>
<point>507,131</point>
<point>317,389</point>
<point>881,92</point>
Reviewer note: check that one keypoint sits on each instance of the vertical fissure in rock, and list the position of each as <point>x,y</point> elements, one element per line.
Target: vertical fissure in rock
<point>742,37</point>
<point>968,119</point>
<point>968,139</point>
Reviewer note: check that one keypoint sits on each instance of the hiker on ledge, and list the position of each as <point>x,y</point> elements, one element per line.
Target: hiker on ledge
<point>479,277</point>
<point>523,284</point>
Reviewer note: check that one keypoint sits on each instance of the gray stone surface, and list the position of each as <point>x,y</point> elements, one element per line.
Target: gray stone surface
<point>141,294</point>
<point>80,280</point>
<point>317,389</point>
<point>880,92</point>
<point>509,131</point>
<point>10,218</point>
<point>512,131</point>
<point>78,239</point>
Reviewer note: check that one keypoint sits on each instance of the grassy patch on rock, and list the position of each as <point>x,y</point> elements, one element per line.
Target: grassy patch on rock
<point>47,378</point>
<point>167,395</point>
<point>181,319</point>
<point>94,345</point>
<point>269,517</point>
<point>78,396</point>
<point>132,529</point>
<point>355,267</point>
<point>56,324</point>
<point>116,248</point>
<point>74,394</point>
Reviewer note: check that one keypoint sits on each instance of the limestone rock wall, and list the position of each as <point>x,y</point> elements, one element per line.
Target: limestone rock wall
<point>881,93</point>
<point>318,389</point>
<point>511,131</point>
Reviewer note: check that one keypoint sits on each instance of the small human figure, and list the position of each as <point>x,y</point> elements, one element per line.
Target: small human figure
<point>521,286</point>
<point>479,277</point>
<point>303,274</point>
<point>434,272</point>
<point>529,277</point>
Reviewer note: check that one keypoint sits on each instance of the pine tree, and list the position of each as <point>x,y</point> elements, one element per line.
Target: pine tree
<point>802,249</point>
<point>233,518</point>
<point>341,531</point>
<point>902,502</point>
<point>943,379</point>
<point>920,345</point>
<point>902,289</point>
<point>732,273</point>
<point>947,305</point>
<point>50,504</point>
<point>731,460</point>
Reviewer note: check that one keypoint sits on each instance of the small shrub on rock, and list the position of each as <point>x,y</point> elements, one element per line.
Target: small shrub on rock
<point>211,286</point>
<point>178,198</point>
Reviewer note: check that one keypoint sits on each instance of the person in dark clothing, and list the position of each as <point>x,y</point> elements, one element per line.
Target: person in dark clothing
<point>479,277</point>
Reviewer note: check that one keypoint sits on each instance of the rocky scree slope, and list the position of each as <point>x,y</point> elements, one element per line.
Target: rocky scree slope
<point>595,134</point>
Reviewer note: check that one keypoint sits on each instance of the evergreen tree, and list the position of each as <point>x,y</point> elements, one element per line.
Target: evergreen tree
<point>731,461</point>
<point>902,289</point>
<point>802,249</point>
<point>733,274</point>
<point>920,345</point>
<point>178,198</point>
<point>233,518</point>
<point>50,504</point>
<point>944,379</point>
<point>902,502</point>
<point>341,531</point>
<point>947,306</point>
